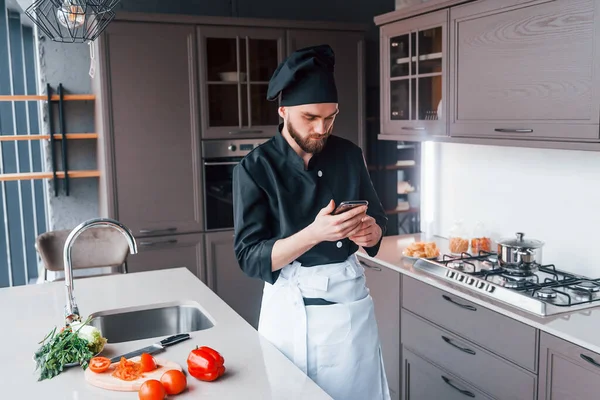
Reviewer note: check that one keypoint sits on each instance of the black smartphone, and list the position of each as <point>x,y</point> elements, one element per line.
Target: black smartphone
<point>349,205</point>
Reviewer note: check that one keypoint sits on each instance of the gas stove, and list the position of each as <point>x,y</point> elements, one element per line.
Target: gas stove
<point>542,290</point>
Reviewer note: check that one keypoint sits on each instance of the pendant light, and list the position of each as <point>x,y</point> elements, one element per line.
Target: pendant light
<point>72,21</point>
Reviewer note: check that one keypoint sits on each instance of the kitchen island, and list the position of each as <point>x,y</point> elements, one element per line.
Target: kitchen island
<point>255,368</point>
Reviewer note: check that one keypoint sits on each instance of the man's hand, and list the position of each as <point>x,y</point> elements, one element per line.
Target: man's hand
<point>368,234</point>
<point>327,227</point>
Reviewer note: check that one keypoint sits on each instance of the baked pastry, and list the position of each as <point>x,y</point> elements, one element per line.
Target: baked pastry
<point>422,250</point>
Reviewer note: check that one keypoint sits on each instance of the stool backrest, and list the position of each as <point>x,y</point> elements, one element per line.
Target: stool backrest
<point>94,248</point>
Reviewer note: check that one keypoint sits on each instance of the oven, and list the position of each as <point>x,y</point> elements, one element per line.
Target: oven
<point>218,159</point>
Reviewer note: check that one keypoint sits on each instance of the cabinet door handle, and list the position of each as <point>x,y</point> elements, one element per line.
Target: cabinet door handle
<point>245,131</point>
<point>465,392</point>
<point>217,163</point>
<point>413,128</point>
<point>158,242</point>
<point>590,360</point>
<point>158,230</point>
<point>463,349</point>
<point>374,268</point>
<point>465,306</point>
<point>503,130</point>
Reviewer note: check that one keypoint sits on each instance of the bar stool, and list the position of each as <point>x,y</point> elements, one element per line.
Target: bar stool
<point>102,249</point>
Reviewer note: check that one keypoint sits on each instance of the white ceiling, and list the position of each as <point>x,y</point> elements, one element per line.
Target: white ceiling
<point>20,6</point>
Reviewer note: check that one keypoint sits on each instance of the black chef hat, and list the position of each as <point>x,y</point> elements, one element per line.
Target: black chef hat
<point>305,77</point>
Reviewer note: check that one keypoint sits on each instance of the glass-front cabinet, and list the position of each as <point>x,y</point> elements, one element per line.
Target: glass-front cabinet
<point>414,75</point>
<point>236,65</point>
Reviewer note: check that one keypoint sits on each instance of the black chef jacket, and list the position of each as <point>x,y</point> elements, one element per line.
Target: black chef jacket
<point>274,197</point>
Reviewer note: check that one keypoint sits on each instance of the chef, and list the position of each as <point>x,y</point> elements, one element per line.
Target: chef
<point>316,308</point>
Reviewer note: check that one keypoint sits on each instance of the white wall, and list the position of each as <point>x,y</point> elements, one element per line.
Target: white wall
<point>550,195</point>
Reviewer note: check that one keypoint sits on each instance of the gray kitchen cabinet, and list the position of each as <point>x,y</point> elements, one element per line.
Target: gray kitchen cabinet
<point>425,381</point>
<point>170,251</point>
<point>525,70</point>
<point>235,68</point>
<point>384,287</point>
<point>151,146</point>
<point>414,71</point>
<point>349,49</point>
<point>227,280</point>
<point>567,371</point>
<point>478,324</point>
<point>466,360</point>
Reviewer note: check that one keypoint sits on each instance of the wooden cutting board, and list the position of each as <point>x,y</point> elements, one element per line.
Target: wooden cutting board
<point>105,380</point>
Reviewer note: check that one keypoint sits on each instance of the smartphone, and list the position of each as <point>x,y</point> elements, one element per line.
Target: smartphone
<point>349,205</point>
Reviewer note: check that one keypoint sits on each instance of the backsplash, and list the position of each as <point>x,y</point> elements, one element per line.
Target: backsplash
<point>550,195</point>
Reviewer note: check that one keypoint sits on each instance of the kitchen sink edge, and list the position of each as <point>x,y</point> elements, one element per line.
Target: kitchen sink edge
<point>151,320</point>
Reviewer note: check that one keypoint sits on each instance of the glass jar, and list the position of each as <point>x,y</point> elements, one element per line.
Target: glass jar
<point>459,242</point>
<point>481,242</point>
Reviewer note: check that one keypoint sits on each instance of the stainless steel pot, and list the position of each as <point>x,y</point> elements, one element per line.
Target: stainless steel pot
<point>520,253</point>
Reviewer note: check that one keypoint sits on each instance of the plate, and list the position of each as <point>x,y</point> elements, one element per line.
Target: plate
<point>417,258</point>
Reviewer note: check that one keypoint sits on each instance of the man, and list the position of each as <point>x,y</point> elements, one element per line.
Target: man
<point>316,308</point>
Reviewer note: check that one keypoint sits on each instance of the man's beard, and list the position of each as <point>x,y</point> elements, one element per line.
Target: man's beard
<point>308,144</point>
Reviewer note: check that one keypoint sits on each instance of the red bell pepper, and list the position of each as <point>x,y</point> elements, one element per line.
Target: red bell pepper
<point>205,364</point>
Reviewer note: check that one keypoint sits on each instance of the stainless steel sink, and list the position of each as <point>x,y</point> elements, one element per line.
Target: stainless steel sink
<point>137,323</point>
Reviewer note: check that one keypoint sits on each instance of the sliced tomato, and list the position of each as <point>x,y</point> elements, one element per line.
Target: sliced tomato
<point>148,362</point>
<point>99,364</point>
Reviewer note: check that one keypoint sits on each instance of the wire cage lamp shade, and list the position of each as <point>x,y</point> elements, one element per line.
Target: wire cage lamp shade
<point>72,21</point>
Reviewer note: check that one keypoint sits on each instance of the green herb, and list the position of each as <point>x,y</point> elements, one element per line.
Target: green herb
<point>59,349</point>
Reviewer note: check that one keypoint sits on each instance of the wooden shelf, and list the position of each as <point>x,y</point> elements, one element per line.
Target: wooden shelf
<point>67,97</point>
<point>28,176</point>
<point>389,167</point>
<point>57,136</point>
<point>402,210</point>
<point>235,83</point>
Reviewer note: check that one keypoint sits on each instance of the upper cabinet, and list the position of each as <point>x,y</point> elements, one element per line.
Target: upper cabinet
<point>414,75</point>
<point>511,72</point>
<point>525,71</point>
<point>152,133</point>
<point>235,68</point>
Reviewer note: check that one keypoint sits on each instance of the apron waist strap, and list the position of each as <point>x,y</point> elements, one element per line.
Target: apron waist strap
<point>317,302</point>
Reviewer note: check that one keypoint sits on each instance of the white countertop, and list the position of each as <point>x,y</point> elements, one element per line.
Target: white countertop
<point>578,327</point>
<point>255,368</point>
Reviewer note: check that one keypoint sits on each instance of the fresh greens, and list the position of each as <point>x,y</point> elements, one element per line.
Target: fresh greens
<point>93,336</point>
<point>69,345</point>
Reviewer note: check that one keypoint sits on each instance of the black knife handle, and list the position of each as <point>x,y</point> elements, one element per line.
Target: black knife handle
<point>175,339</point>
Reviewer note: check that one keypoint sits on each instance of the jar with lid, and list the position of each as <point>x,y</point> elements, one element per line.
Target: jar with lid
<point>459,242</point>
<point>481,242</point>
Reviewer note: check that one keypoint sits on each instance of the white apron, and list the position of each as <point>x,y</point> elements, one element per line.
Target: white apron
<point>336,345</point>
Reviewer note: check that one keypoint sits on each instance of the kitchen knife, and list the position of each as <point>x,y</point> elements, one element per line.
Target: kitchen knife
<point>155,348</point>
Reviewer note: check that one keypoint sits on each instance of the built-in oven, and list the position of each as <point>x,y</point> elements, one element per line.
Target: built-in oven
<point>218,159</point>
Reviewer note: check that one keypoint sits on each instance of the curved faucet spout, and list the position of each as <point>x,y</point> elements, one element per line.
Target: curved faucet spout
<point>71,309</point>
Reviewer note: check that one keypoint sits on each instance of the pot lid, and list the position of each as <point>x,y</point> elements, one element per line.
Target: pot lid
<point>521,242</point>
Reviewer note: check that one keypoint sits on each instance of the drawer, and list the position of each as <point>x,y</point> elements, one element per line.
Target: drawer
<point>479,367</point>
<point>424,381</point>
<point>495,332</point>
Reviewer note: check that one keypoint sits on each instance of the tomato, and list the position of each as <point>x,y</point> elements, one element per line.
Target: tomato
<point>148,362</point>
<point>152,390</point>
<point>174,381</point>
<point>99,364</point>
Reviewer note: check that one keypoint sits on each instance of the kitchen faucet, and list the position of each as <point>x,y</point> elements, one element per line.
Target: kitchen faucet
<point>71,309</point>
